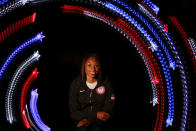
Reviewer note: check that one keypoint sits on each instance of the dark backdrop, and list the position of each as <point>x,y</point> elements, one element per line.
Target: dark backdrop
<point>68,41</point>
<point>68,38</point>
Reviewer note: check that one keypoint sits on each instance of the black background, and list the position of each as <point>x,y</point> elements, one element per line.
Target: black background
<point>68,38</point>
<point>127,73</point>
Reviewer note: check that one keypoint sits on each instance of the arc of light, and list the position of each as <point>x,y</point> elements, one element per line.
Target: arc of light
<point>154,46</point>
<point>163,63</point>
<point>23,98</point>
<point>193,46</point>
<point>29,119</point>
<point>163,30</point>
<point>182,74</point>
<point>152,6</point>
<point>16,26</point>
<point>176,23</point>
<point>154,81</point>
<point>188,43</point>
<point>11,6</point>
<point>19,49</point>
<point>166,36</point>
<point>34,111</point>
<point>17,4</point>
<point>158,80</point>
<point>178,59</point>
<point>12,86</point>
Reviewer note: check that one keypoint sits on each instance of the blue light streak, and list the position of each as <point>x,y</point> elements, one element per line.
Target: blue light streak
<point>3,2</point>
<point>160,56</point>
<point>34,111</point>
<point>152,6</point>
<point>19,49</point>
<point>178,64</point>
<point>150,27</point>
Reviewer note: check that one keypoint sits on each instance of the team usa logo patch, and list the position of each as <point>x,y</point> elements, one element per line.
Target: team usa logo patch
<point>113,97</point>
<point>100,90</point>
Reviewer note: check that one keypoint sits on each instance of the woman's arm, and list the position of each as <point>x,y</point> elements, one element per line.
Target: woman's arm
<point>74,107</point>
<point>107,109</point>
<point>110,98</point>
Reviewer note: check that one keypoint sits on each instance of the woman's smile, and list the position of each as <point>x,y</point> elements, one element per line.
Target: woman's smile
<point>91,69</point>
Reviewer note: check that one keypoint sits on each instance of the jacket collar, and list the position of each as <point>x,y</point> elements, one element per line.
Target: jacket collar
<point>98,85</point>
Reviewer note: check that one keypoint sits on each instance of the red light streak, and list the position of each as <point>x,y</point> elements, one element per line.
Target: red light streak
<point>184,36</point>
<point>23,98</point>
<point>16,26</point>
<point>166,27</point>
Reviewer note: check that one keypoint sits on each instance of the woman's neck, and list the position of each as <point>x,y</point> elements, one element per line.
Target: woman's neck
<point>91,80</point>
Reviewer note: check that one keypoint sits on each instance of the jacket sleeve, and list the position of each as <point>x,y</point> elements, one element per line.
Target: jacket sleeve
<point>110,99</point>
<point>74,107</point>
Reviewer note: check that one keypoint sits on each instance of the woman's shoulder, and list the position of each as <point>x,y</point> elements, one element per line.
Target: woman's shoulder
<point>77,81</point>
<point>106,81</point>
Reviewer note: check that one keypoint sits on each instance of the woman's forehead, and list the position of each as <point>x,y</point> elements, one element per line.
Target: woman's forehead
<point>92,59</point>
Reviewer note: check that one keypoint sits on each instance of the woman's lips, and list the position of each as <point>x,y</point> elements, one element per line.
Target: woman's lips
<point>93,73</point>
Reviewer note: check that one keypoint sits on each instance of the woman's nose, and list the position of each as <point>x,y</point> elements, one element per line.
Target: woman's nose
<point>93,68</point>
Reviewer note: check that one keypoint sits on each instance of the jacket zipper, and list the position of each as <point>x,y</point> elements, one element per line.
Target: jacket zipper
<point>90,99</point>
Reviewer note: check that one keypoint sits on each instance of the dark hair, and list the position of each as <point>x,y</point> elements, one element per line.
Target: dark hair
<point>83,74</point>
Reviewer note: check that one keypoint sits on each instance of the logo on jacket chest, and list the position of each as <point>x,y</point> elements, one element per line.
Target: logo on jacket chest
<point>100,90</point>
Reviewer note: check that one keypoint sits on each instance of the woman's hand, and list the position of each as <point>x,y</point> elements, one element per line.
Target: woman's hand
<point>103,116</point>
<point>84,122</point>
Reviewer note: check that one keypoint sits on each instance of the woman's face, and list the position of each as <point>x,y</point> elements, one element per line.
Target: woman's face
<point>91,67</point>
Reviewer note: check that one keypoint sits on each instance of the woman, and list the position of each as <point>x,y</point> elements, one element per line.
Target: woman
<point>91,99</point>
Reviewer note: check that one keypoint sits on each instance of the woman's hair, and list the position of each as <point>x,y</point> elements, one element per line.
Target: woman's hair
<point>83,74</point>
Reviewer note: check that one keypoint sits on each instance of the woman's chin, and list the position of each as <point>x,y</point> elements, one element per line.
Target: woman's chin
<point>93,76</point>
